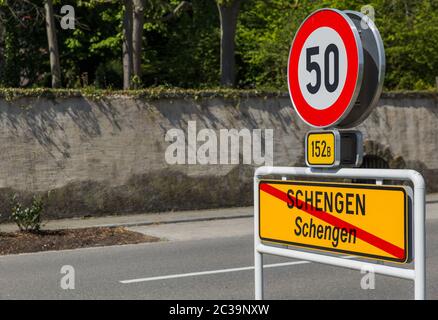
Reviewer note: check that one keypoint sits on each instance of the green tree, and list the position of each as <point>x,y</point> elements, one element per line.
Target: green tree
<point>185,43</point>
<point>185,50</point>
<point>265,33</point>
<point>409,29</point>
<point>23,53</point>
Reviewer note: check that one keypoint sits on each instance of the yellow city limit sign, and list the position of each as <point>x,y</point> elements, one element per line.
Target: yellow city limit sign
<point>364,220</point>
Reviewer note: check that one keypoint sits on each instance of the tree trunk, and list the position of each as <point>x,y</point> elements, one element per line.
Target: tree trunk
<point>127,45</point>
<point>2,45</point>
<point>137,38</point>
<point>55,66</point>
<point>228,13</point>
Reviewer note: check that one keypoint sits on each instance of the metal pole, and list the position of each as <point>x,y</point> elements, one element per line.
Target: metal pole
<point>420,237</point>
<point>258,256</point>
<point>258,275</point>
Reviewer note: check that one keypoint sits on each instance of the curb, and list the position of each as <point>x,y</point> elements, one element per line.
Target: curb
<point>149,223</point>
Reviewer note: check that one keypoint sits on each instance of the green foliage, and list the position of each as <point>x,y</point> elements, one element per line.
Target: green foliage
<point>94,45</point>
<point>109,75</point>
<point>409,29</point>
<point>184,51</point>
<point>23,60</point>
<point>265,32</point>
<point>410,34</point>
<point>28,218</point>
<point>226,2</point>
<point>163,92</point>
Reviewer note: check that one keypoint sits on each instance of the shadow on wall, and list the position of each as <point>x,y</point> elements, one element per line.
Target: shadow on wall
<point>240,113</point>
<point>163,190</point>
<point>45,119</point>
<point>167,190</point>
<point>380,157</point>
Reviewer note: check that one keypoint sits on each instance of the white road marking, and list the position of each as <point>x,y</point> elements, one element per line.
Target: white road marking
<point>202,273</point>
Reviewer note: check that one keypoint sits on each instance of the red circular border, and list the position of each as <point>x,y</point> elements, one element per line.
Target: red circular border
<point>333,114</point>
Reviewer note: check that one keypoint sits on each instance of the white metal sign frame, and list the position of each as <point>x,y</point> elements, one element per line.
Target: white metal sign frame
<point>417,274</point>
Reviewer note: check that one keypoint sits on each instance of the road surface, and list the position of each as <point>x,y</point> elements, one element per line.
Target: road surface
<point>199,260</point>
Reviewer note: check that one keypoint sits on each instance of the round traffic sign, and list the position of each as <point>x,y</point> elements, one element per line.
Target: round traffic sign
<point>325,68</point>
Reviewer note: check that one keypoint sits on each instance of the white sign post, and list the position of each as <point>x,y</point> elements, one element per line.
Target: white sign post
<point>417,274</point>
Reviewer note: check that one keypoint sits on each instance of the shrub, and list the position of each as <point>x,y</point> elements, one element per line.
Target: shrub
<point>27,218</point>
<point>109,75</point>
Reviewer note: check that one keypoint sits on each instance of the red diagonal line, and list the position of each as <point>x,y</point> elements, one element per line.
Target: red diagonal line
<point>334,221</point>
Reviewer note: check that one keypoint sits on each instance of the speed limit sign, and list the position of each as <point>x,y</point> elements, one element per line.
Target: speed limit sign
<point>328,65</point>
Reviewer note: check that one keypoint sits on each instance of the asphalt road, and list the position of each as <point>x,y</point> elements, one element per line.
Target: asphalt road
<point>199,267</point>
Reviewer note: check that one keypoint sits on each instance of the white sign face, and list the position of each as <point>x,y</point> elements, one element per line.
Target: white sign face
<point>322,68</point>
<point>325,68</point>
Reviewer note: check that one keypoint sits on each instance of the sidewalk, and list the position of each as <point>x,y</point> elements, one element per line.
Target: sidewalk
<point>143,219</point>
<point>146,219</point>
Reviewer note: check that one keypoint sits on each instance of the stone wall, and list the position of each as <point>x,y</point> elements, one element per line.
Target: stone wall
<point>107,155</point>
